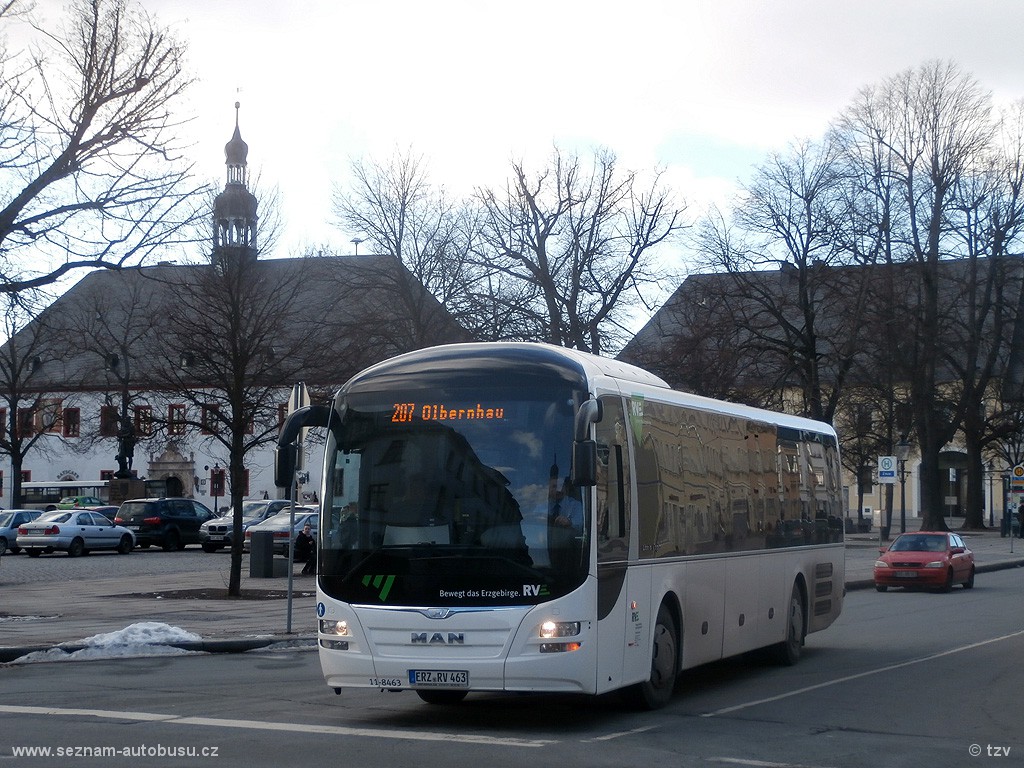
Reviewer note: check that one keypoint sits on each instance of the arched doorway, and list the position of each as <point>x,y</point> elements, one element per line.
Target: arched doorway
<point>173,486</point>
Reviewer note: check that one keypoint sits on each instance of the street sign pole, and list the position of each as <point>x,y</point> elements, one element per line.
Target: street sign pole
<point>887,477</point>
<point>299,399</point>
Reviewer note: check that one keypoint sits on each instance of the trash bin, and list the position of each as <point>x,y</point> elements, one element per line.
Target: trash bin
<point>262,564</point>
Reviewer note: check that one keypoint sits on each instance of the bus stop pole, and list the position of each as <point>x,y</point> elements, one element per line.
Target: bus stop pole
<point>291,543</point>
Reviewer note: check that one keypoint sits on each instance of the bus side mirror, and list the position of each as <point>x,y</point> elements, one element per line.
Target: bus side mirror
<point>584,450</point>
<point>584,463</point>
<point>286,455</point>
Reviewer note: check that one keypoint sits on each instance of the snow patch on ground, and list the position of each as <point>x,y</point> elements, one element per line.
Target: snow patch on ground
<point>144,638</point>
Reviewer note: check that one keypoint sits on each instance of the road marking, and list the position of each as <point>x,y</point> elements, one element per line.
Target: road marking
<point>258,725</point>
<point>610,736</point>
<point>755,763</point>
<point>868,673</point>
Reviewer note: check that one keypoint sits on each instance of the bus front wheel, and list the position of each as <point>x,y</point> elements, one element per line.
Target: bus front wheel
<point>789,650</point>
<point>656,691</point>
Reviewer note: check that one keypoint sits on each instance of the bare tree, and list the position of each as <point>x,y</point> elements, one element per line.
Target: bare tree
<point>575,245</point>
<point>787,220</point>
<point>395,210</point>
<point>236,334</point>
<point>931,125</point>
<point>32,412</point>
<point>90,166</point>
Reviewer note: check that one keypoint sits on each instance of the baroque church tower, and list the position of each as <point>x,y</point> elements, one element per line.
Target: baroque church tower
<point>234,210</point>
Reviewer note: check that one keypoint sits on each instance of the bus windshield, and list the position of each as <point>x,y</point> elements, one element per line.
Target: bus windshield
<point>448,497</point>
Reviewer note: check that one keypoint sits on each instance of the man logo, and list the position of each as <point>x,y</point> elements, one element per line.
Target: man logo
<point>453,638</point>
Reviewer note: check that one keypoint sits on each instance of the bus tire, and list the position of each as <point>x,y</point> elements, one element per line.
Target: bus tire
<point>789,650</point>
<point>442,697</point>
<point>656,691</point>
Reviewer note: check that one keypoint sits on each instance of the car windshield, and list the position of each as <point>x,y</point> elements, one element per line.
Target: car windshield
<point>918,543</point>
<point>5,520</point>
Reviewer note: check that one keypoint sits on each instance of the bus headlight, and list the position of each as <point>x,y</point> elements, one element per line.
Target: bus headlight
<point>551,629</point>
<point>556,629</point>
<point>328,627</point>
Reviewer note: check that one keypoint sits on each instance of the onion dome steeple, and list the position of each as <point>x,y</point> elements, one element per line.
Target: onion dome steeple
<point>234,210</point>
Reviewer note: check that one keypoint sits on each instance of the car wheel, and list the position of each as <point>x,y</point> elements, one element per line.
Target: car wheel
<point>171,541</point>
<point>442,697</point>
<point>210,547</point>
<point>76,548</point>
<point>124,546</point>
<point>789,650</point>
<point>656,691</point>
<point>34,552</point>
<point>3,545</point>
<point>881,587</point>
<point>969,584</point>
<point>15,550</point>
<point>948,586</point>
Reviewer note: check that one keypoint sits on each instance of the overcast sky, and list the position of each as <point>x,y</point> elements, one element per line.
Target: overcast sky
<point>703,88</point>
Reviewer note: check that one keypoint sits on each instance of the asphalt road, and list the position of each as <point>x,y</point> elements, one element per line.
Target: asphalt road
<point>902,679</point>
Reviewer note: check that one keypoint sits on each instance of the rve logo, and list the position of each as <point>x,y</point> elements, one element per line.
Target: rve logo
<point>535,590</point>
<point>382,583</point>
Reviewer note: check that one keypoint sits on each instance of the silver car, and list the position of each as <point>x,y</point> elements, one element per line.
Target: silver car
<point>76,532</point>
<point>216,534</point>
<point>278,526</point>
<point>10,519</point>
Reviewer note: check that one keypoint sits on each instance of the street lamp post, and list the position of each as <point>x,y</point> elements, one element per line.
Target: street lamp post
<point>902,454</point>
<point>991,497</point>
<point>216,484</point>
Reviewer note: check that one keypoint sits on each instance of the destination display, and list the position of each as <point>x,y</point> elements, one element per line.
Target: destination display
<point>410,412</point>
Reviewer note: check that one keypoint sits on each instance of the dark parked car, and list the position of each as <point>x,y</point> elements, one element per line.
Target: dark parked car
<point>168,523</point>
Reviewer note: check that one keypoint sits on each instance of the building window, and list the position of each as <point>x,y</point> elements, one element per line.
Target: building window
<point>71,422</point>
<point>26,475</point>
<point>48,416</point>
<point>109,417</point>
<point>3,421</point>
<point>26,422</point>
<point>106,474</point>
<point>210,419</point>
<point>143,420</point>
<point>176,419</point>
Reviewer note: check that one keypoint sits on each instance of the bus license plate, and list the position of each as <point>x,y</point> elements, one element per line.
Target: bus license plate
<point>441,678</point>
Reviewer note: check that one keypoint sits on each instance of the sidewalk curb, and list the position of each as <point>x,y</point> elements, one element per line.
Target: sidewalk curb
<point>9,654</point>
<point>999,565</point>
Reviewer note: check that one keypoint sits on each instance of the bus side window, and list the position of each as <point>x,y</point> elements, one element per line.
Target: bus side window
<point>612,512</point>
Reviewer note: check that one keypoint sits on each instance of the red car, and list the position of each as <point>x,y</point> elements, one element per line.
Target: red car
<point>933,559</point>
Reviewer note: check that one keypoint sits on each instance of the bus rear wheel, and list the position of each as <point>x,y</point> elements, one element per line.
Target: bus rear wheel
<point>656,691</point>
<point>442,697</point>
